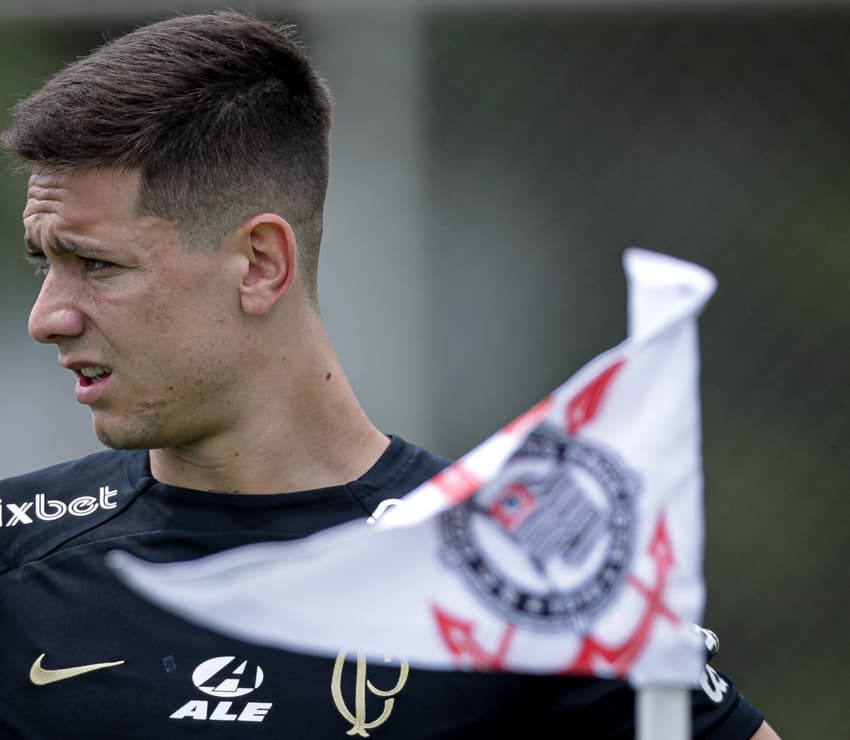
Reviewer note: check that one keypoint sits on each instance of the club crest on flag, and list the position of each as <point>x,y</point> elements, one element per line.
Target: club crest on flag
<point>548,542</point>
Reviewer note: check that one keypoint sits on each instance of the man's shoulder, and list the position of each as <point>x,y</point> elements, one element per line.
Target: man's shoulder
<point>43,509</point>
<point>401,468</point>
<point>422,464</point>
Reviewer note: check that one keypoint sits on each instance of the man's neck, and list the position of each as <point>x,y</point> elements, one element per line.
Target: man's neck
<point>298,429</point>
<point>289,464</point>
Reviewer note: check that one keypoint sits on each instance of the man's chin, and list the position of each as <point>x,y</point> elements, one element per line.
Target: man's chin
<point>119,442</point>
<point>117,437</point>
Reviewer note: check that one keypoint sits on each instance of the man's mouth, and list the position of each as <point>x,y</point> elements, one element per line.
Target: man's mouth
<point>93,374</point>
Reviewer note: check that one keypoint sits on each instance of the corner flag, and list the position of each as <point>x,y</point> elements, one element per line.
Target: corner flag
<point>568,542</point>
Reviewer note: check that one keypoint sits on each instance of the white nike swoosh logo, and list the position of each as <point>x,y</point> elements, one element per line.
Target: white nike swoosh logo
<point>43,676</point>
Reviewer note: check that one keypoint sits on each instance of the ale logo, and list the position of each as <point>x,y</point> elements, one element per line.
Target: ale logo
<point>212,678</point>
<point>225,677</point>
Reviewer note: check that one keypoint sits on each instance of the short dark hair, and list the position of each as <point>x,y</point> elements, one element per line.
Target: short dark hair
<point>222,115</point>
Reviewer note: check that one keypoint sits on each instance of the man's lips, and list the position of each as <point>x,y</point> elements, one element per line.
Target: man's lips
<point>88,390</point>
<point>91,379</point>
<point>92,375</point>
<point>86,381</point>
<point>84,366</point>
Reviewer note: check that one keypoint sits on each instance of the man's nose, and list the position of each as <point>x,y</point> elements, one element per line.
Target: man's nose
<point>54,314</point>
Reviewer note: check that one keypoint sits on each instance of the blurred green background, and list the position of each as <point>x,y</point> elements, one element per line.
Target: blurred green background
<point>490,165</point>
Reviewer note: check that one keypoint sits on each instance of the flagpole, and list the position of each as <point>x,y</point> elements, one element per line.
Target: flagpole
<point>663,713</point>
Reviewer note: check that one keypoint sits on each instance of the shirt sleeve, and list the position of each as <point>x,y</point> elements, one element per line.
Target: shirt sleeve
<point>720,711</point>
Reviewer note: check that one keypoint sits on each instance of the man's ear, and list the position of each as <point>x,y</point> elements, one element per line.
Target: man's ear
<point>269,243</point>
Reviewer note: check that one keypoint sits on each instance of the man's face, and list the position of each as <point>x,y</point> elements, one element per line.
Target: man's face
<point>150,330</point>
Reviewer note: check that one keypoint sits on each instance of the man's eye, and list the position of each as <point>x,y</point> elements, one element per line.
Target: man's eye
<point>93,265</point>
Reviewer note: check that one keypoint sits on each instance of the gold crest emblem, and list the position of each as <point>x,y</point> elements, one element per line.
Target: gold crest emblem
<point>359,722</point>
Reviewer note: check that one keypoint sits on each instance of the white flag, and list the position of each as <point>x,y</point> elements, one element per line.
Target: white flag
<point>569,542</point>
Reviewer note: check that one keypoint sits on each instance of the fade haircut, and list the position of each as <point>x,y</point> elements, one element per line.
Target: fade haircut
<point>222,115</point>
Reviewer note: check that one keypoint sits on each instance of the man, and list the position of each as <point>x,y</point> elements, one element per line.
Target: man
<point>175,212</point>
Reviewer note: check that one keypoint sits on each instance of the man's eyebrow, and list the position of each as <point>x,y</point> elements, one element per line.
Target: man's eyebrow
<point>61,246</point>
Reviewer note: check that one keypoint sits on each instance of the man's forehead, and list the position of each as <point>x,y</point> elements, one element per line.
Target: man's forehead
<point>82,210</point>
<point>80,195</point>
